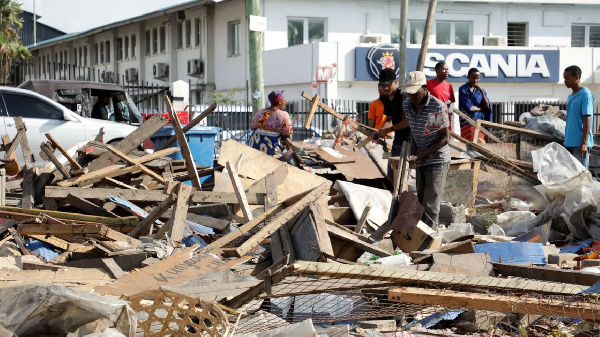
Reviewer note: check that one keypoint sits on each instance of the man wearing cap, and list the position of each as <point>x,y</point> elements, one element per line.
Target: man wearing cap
<point>392,107</point>
<point>429,124</point>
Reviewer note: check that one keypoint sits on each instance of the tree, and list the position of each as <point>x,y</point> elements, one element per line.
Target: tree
<point>11,47</point>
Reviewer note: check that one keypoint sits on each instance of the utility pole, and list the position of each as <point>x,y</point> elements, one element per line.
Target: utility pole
<point>257,84</point>
<point>426,33</point>
<point>402,41</point>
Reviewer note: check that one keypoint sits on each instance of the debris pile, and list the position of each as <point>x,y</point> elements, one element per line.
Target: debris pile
<point>264,248</point>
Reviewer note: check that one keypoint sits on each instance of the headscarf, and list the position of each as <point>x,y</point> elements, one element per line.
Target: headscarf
<point>275,96</point>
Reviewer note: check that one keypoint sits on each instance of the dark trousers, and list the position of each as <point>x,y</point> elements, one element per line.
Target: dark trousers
<point>431,180</point>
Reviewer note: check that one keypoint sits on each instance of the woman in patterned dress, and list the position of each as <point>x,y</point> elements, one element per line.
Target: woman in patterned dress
<point>271,126</point>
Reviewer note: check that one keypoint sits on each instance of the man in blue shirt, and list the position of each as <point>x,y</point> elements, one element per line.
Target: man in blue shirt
<point>473,101</point>
<point>580,115</point>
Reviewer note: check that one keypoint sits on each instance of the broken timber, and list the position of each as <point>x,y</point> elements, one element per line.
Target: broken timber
<point>193,123</point>
<point>434,278</point>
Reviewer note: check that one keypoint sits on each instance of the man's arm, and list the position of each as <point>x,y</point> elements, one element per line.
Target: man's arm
<point>583,149</point>
<point>485,104</point>
<point>388,127</point>
<point>444,134</point>
<point>464,103</point>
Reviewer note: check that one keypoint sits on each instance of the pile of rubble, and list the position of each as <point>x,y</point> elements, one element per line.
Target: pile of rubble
<point>112,241</point>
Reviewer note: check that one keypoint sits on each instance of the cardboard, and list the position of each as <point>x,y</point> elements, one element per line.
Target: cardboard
<point>422,238</point>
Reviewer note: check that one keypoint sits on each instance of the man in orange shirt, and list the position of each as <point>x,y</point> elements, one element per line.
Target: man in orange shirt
<point>376,116</point>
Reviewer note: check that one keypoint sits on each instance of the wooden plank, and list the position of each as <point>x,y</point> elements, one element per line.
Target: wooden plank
<point>218,224</point>
<point>130,161</point>
<point>279,173</point>
<point>57,242</point>
<point>12,145</point>
<point>522,131</point>
<point>356,242</point>
<point>10,156</point>
<point>88,207</point>
<point>46,229</point>
<point>287,243</point>
<point>45,148</point>
<point>192,123</point>
<point>271,199</point>
<point>473,123</point>
<point>186,153</point>
<point>311,112</point>
<point>95,176</point>
<point>59,192</point>
<point>493,302</point>
<point>281,219</point>
<point>363,219</point>
<point>239,192</point>
<point>433,278</point>
<point>27,199</point>
<point>118,236</point>
<point>153,216</point>
<point>319,213</point>
<point>27,155</point>
<point>113,268</point>
<point>19,240</point>
<point>176,269</point>
<point>131,142</point>
<point>57,146</point>
<point>7,210</point>
<point>176,223</point>
<point>547,274</point>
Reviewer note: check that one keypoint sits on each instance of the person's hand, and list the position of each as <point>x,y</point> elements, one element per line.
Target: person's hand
<point>381,133</point>
<point>583,150</point>
<point>477,87</point>
<point>412,159</point>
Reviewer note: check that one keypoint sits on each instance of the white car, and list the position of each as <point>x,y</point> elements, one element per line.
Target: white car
<point>42,115</point>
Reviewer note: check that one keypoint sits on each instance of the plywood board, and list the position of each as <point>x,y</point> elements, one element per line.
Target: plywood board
<point>363,166</point>
<point>257,164</point>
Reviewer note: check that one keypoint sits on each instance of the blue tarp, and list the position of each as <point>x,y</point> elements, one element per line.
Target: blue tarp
<point>513,252</point>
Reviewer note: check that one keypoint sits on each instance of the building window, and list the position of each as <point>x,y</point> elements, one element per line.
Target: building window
<point>154,41</point>
<point>305,30</point>
<point>415,31</point>
<point>233,38</point>
<point>101,53</point>
<point>133,45</point>
<point>163,39</point>
<point>179,35</point>
<point>395,30</point>
<point>148,43</point>
<point>516,34</point>
<point>107,51</point>
<point>119,48</point>
<point>188,33</point>
<point>75,57</point>
<point>81,56</point>
<point>85,62</point>
<point>126,47</point>
<point>197,31</point>
<point>585,36</point>
<point>452,33</point>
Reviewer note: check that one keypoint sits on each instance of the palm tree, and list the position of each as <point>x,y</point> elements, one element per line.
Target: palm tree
<point>11,47</point>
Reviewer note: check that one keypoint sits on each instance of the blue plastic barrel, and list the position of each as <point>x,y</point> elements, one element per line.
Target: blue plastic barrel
<point>200,139</point>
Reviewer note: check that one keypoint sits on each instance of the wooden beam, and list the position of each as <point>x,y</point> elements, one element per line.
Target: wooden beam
<point>311,112</point>
<point>59,192</point>
<point>153,216</point>
<point>27,155</point>
<point>193,123</point>
<point>494,302</point>
<point>27,199</point>
<point>281,219</point>
<point>47,150</point>
<point>547,274</point>
<point>186,153</point>
<point>112,267</point>
<point>57,146</point>
<point>271,189</point>
<point>522,131</point>
<point>176,223</point>
<point>97,175</point>
<point>10,211</point>
<point>239,192</point>
<point>130,161</point>
<point>433,278</point>
<point>351,239</point>
<point>131,142</point>
<point>363,219</point>
<point>474,124</point>
<point>88,207</point>
<point>12,145</point>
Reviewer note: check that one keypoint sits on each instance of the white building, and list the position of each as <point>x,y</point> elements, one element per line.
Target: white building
<point>206,42</point>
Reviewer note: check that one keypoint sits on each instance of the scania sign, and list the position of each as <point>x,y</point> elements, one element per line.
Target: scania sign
<point>495,65</point>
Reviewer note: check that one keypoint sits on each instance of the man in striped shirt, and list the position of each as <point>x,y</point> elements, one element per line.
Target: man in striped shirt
<point>429,127</point>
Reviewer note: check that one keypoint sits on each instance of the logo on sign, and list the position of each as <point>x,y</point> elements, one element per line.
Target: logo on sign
<point>435,121</point>
<point>325,74</point>
<point>383,56</point>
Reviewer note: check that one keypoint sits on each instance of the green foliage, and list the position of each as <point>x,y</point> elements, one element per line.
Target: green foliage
<point>11,47</point>
<point>226,98</point>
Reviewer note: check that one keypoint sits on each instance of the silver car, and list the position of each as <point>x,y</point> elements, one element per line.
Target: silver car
<point>42,115</point>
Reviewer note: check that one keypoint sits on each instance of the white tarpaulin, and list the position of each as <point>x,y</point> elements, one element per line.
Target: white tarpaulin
<point>44,310</point>
<point>359,196</point>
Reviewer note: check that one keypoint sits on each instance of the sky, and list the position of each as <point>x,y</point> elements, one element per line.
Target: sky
<point>72,16</point>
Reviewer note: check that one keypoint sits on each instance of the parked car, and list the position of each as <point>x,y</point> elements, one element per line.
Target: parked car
<point>80,97</point>
<point>42,115</point>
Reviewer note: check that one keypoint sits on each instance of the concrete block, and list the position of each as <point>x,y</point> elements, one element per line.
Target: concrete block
<point>565,260</point>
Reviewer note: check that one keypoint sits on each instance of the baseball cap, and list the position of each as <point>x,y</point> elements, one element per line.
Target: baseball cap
<point>386,77</point>
<point>413,82</point>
